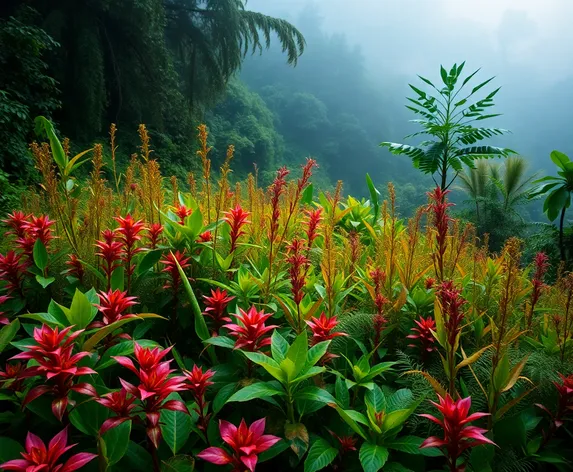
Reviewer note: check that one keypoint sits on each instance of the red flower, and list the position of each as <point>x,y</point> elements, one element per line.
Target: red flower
<point>155,385</point>
<point>216,305</point>
<point>236,218</point>
<point>429,283</point>
<point>40,228</point>
<point>452,303</point>
<point>153,234</point>
<point>17,222</point>
<point>112,305</point>
<point>246,442</point>
<point>252,333</point>
<point>379,278</point>
<point>129,232</point>
<point>121,403</point>
<point>38,458</point>
<point>205,237</point>
<point>458,435</point>
<point>297,269</point>
<point>541,263</point>
<point>171,268</point>
<point>198,383</point>
<point>110,251</point>
<point>276,190</point>
<point>422,332</point>
<point>75,267</point>
<point>347,443</point>
<point>565,404</point>
<point>182,212</point>
<point>57,364</point>
<point>12,378</point>
<point>12,270</point>
<point>322,328</point>
<point>4,319</point>
<point>438,207</point>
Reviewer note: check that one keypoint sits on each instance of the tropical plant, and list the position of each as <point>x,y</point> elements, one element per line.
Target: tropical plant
<point>448,119</point>
<point>559,190</point>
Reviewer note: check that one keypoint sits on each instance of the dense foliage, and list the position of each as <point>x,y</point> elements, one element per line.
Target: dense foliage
<point>159,324</point>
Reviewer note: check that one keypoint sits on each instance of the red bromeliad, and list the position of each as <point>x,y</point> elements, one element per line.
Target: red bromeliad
<point>110,251</point>
<point>12,378</point>
<point>379,278</point>
<point>170,267</point>
<point>182,212</point>
<point>155,385</point>
<point>39,458</point>
<point>205,237</point>
<point>40,228</point>
<point>129,232</point>
<point>297,262</point>
<point>75,267</point>
<point>3,318</point>
<point>564,406</point>
<point>236,218</point>
<point>198,383</point>
<point>216,305</point>
<point>17,221</point>
<point>314,218</point>
<point>246,443</point>
<point>153,234</point>
<point>322,328</point>
<point>458,434</point>
<point>541,263</point>
<point>113,304</point>
<point>252,334</point>
<point>57,364</point>
<point>122,404</point>
<point>422,333</point>
<point>438,207</point>
<point>12,270</point>
<point>347,443</point>
<point>429,283</point>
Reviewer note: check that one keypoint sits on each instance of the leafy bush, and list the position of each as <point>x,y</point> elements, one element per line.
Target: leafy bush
<point>161,325</point>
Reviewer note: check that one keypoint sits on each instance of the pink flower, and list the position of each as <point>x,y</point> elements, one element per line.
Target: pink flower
<point>216,305</point>
<point>170,263</point>
<point>422,333</point>
<point>429,283</point>
<point>129,233</point>
<point>252,334</point>
<point>458,434</point>
<point>39,458</point>
<point>198,383</point>
<point>112,305</point>
<point>246,443</point>
<point>40,228</point>
<point>205,237</point>
<point>121,403</point>
<point>17,221</point>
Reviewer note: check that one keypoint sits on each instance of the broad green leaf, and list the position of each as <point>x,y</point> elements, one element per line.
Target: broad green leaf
<point>80,313</point>
<point>266,363</point>
<point>501,374</point>
<point>559,159</point>
<point>7,333</point>
<point>137,458</point>
<point>342,393</point>
<point>45,281</point>
<point>101,333</point>
<point>307,374</point>
<point>44,127</point>
<point>374,197</point>
<point>88,416</point>
<point>297,435</point>
<point>180,463</point>
<point>306,198</point>
<point>297,353</point>
<point>376,398</point>
<point>118,278</point>
<point>116,442</point>
<point>411,445</point>
<point>315,353</point>
<point>400,399</point>
<point>315,394</point>
<point>373,457</point>
<point>200,325</point>
<point>149,260</point>
<point>223,396</point>
<point>59,313</point>
<point>176,426</point>
<point>256,390</point>
<point>45,318</point>
<point>279,346</point>
<point>320,455</point>
<point>9,449</point>
<point>40,255</point>
<point>221,341</point>
<point>396,418</point>
<point>274,450</point>
<point>350,421</point>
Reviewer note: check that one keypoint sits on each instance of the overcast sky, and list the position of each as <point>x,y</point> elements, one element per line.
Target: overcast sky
<point>524,43</point>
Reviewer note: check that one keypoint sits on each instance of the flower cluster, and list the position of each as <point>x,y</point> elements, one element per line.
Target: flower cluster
<point>251,334</point>
<point>153,234</point>
<point>452,302</point>
<point>297,262</point>
<point>110,251</point>
<point>170,267</point>
<point>198,383</point>
<point>246,442</point>
<point>422,334</point>
<point>53,354</point>
<point>314,218</point>
<point>541,263</point>
<point>215,306</point>
<point>129,233</point>
<point>27,229</point>
<point>112,305</point>
<point>13,266</point>
<point>438,208</point>
<point>236,218</point>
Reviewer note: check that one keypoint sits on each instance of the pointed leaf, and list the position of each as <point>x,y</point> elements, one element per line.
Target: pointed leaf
<point>373,457</point>
<point>320,455</point>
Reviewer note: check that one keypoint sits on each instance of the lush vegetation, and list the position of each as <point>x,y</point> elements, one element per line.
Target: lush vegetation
<point>160,324</point>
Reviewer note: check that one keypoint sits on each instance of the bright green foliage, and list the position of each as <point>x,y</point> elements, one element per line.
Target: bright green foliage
<point>448,119</point>
<point>559,190</point>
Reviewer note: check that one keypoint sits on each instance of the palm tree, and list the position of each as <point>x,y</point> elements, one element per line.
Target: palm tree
<point>474,183</point>
<point>559,190</point>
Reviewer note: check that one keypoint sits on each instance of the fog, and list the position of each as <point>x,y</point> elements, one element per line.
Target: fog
<point>524,43</point>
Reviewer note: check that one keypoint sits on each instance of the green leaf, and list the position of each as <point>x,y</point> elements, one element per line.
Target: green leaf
<point>116,442</point>
<point>400,399</point>
<point>376,398</point>
<point>45,128</point>
<point>180,463</point>
<point>411,445</point>
<point>374,197</point>
<point>297,353</point>
<point>279,346</point>
<point>342,393</point>
<point>149,260</point>
<point>315,353</point>
<point>40,255</point>
<point>221,341</point>
<point>223,396</point>
<point>45,318</point>
<point>88,416</point>
<point>101,333</point>
<point>44,281</point>
<point>81,311</point>
<point>176,426</point>
<point>274,450</point>
<point>350,421</point>
<point>396,418</point>
<point>137,458</point>
<point>555,202</point>
<point>256,390</point>
<point>501,374</point>
<point>560,159</point>
<point>297,435</point>
<point>200,325</point>
<point>373,457</point>
<point>315,394</point>
<point>59,313</point>
<point>7,333</point>
<point>306,198</point>
<point>9,449</point>
<point>267,363</point>
<point>118,278</point>
<point>320,455</point>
